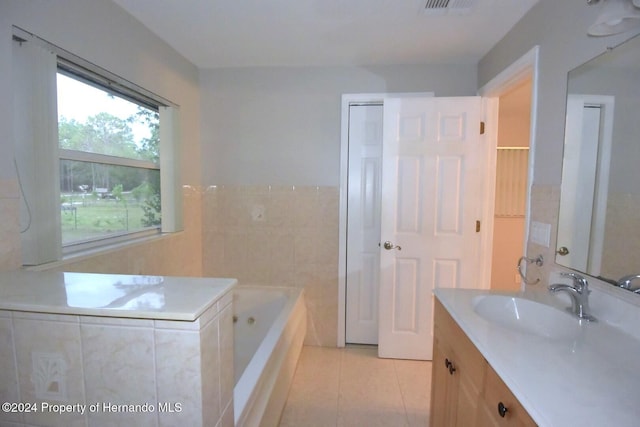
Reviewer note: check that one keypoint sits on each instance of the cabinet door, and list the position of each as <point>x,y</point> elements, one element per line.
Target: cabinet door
<point>457,374</point>
<point>499,407</point>
<point>465,390</point>
<point>468,399</point>
<point>443,386</point>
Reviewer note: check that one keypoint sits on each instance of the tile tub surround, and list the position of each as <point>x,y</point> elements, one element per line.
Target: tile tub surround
<point>86,360</point>
<point>588,378</point>
<point>278,236</point>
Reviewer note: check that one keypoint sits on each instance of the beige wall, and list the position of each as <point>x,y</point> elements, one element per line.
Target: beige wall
<point>102,33</point>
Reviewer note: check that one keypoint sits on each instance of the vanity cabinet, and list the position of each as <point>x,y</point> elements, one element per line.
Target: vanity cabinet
<point>499,407</point>
<point>458,372</point>
<point>465,391</point>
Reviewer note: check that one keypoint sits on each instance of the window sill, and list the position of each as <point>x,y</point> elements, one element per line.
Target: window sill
<point>100,251</point>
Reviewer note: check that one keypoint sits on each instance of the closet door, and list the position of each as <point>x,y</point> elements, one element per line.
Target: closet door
<point>363,223</point>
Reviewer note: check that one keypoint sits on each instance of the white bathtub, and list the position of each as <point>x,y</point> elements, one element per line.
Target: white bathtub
<point>269,332</point>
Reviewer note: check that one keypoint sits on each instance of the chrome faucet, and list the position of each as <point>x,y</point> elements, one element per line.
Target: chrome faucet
<point>579,293</point>
<point>626,281</point>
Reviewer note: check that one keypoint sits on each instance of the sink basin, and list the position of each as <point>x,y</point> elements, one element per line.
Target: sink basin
<point>526,316</point>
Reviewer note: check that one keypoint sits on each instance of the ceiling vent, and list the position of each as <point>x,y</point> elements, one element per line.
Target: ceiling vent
<point>444,7</point>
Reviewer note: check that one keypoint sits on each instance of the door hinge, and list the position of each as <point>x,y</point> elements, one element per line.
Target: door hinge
<point>481,128</point>
<point>477,226</point>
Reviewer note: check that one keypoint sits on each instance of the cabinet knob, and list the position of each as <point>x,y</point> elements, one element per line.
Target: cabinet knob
<point>449,365</point>
<point>502,410</point>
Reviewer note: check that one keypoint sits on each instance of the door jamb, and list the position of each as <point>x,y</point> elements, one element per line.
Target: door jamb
<point>347,100</point>
<point>526,67</point>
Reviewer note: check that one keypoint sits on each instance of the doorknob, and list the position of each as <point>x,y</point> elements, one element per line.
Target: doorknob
<point>388,246</point>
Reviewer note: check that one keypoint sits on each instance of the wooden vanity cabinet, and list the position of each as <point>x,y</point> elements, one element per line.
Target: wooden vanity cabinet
<point>499,407</point>
<point>458,371</point>
<point>465,391</point>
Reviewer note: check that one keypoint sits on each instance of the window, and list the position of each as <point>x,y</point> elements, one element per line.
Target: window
<point>109,162</point>
<point>104,169</point>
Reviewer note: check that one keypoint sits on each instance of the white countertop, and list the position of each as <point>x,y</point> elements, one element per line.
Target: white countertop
<point>592,379</point>
<point>111,295</point>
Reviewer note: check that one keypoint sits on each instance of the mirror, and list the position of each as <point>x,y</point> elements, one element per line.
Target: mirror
<point>599,218</point>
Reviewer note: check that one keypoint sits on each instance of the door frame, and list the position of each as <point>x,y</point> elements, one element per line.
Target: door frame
<point>347,100</point>
<point>524,68</point>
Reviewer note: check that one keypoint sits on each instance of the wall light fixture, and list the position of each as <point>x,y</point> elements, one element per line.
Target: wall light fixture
<point>616,16</point>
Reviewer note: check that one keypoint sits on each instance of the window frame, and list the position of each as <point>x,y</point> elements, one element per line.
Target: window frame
<point>169,169</point>
<point>89,77</point>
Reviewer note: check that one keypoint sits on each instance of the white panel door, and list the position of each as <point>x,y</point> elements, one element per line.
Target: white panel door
<point>363,223</point>
<point>432,194</point>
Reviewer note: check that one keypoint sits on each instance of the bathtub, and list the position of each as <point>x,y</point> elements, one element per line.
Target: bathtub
<point>269,328</point>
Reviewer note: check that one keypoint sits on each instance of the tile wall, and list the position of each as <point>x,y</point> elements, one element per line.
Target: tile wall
<point>545,202</point>
<point>278,236</point>
<point>622,235</point>
<point>70,360</point>
<point>545,205</point>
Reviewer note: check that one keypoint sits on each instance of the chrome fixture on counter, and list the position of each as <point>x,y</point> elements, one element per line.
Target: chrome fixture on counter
<point>579,293</point>
<point>625,283</point>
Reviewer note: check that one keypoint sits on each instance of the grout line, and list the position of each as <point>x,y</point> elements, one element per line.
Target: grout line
<point>404,404</point>
<point>341,405</point>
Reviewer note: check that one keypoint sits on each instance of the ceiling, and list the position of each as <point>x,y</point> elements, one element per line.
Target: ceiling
<point>249,33</point>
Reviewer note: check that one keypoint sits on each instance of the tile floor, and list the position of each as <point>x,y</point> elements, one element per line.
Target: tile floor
<point>351,387</point>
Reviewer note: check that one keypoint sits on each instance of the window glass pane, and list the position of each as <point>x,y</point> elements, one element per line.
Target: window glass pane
<point>97,121</point>
<point>99,200</point>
